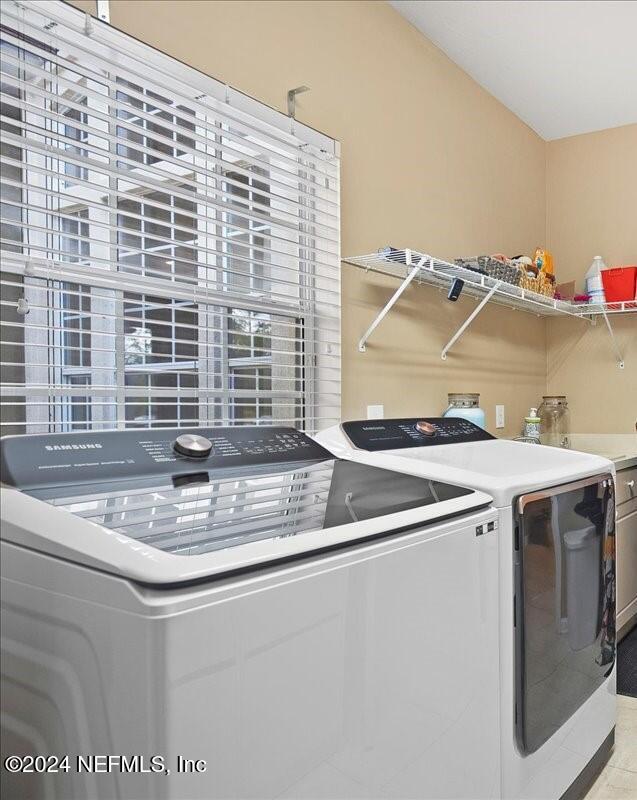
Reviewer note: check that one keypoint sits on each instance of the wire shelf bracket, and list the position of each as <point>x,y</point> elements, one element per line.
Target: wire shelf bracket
<point>469,320</point>
<point>362,344</point>
<point>615,346</point>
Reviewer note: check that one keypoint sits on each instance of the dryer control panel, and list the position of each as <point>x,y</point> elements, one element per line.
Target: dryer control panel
<point>394,434</point>
<point>30,462</point>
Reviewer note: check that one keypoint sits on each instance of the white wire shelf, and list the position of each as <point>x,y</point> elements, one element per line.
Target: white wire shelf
<point>594,309</point>
<point>437,272</point>
<point>413,266</point>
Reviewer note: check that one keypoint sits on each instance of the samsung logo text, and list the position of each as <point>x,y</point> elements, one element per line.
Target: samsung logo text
<point>92,446</point>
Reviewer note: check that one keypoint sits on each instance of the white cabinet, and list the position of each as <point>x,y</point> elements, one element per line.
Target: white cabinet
<point>626,547</point>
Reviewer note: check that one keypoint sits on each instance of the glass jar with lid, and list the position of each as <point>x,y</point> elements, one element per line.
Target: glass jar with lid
<point>554,421</point>
<point>465,405</point>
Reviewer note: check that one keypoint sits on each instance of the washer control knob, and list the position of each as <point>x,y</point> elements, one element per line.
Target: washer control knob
<point>192,445</point>
<point>426,428</point>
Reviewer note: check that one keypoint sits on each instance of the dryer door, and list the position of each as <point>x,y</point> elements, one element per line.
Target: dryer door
<point>565,602</point>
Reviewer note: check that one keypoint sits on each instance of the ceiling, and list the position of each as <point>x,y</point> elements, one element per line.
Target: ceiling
<point>562,66</point>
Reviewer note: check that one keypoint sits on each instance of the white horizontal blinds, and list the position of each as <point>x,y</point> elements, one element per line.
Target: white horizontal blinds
<point>170,247</point>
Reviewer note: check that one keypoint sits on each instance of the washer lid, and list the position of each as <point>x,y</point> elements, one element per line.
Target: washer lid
<point>174,526</point>
<point>503,468</point>
<point>460,452</point>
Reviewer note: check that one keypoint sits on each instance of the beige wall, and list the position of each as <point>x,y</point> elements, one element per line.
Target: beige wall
<point>432,161</point>
<point>592,210</point>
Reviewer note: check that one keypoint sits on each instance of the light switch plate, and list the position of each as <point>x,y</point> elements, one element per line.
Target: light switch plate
<point>499,416</point>
<point>375,412</point>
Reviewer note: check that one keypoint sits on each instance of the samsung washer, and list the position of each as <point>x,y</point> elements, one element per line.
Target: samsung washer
<point>556,586</point>
<point>289,623</point>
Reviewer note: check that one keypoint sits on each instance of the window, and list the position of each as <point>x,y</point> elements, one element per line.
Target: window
<point>15,69</point>
<point>161,361</point>
<point>247,252</point>
<point>12,155</point>
<point>170,249</point>
<point>79,133</point>
<point>256,406</point>
<point>76,325</point>
<point>147,112</point>
<point>75,241</point>
<point>250,364</point>
<point>78,414</point>
<point>156,236</point>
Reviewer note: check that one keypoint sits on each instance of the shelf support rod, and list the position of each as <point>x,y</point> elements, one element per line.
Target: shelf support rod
<point>392,301</point>
<point>618,352</point>
<point>469,320</point>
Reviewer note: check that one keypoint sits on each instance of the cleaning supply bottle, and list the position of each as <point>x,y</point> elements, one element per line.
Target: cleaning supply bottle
<point>594,285</point>
<point>532,425</point>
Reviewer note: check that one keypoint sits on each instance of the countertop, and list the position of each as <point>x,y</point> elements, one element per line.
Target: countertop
<point>621,448</point>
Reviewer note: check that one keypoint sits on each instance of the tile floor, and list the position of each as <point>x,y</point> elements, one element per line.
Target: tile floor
<point>618,779</point>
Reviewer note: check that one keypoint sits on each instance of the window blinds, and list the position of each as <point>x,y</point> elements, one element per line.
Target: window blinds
<point>170,247</point>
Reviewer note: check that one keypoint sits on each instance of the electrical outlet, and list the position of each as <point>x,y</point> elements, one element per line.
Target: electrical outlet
<point>499,416</point>
<point>375,412</point>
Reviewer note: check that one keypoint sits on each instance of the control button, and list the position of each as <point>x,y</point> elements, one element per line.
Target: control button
<point>425,427</point>
<point>189,444</point>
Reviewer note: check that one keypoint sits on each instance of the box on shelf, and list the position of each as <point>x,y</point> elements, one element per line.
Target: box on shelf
<point>566,290</point>
<point>619,283</point>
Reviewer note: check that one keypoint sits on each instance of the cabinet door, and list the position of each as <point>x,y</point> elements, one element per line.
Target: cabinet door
<point>626,562</point>
<point>626,487</point>
<point>564,603</point>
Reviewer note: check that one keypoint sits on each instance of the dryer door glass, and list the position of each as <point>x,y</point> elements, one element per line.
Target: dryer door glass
<point>565,602</point>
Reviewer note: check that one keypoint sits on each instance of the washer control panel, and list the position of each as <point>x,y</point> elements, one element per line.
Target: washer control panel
<point>92,457</point>
<point>393,434</point>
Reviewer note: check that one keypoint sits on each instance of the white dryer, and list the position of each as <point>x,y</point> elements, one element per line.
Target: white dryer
<point>556,587</point>
<point>288,623</point>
